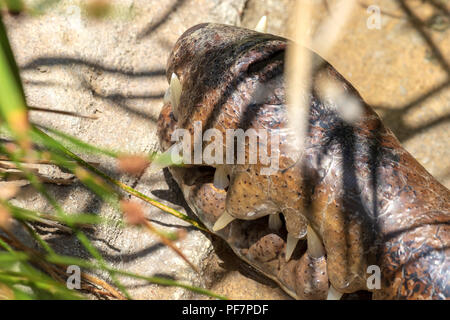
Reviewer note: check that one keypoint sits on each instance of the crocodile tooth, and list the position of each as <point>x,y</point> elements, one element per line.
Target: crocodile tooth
<point>315,246</point>
<point>175,93</point>
<point>275,222</point>
<point>334,294</point>
<point>167,96</point>
<point>168,99</point>
<point>261,26</point>
<point>223,221</point>
<point>221,180</point>
<point>291,243</point>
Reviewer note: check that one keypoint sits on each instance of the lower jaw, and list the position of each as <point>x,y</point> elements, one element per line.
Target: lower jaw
<point>224,235</point>
<point>272,277</point>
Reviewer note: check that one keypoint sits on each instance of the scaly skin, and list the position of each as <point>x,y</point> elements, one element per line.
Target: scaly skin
<point>367,198</point>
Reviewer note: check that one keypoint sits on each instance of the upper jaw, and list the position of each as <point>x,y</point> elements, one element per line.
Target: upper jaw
<point>218,41</point>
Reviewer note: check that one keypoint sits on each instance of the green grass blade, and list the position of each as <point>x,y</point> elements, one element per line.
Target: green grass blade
<point>44,138</point>
<point>67,260</point>
<point>81,145</point>
<point>13,108</point>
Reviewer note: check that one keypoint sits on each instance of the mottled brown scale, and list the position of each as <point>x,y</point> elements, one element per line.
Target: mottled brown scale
<point>266,249</point>
<point>367,198</point>
<point>311,278</point>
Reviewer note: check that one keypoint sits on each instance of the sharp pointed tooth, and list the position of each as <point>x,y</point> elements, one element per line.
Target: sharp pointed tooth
<point>333,294</point>
<point>175,93</point>
<point>261,26</point>
<point>275,222</point>
<point>167,96</point>
<point>291,243</point>
<point>315,246</point>
<point>223,221</point>
<point>221,180</point>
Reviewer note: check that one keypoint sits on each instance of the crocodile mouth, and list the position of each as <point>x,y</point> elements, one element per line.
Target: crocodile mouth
<point>257,242</point>
<point>263,242</point>
<point>298,266</point>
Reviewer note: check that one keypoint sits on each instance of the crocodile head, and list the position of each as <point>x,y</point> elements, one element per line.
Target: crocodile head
<point>298,215</point>
<point>232,89</point>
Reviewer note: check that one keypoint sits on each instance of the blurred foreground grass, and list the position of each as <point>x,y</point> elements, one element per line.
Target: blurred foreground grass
<point>27,273</point>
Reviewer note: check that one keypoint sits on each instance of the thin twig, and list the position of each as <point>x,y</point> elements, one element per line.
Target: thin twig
<point>103,284</point>
<point>169,243</point>
<point>298,70</point>
<point>38,161</point>
<point>67,113</point>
